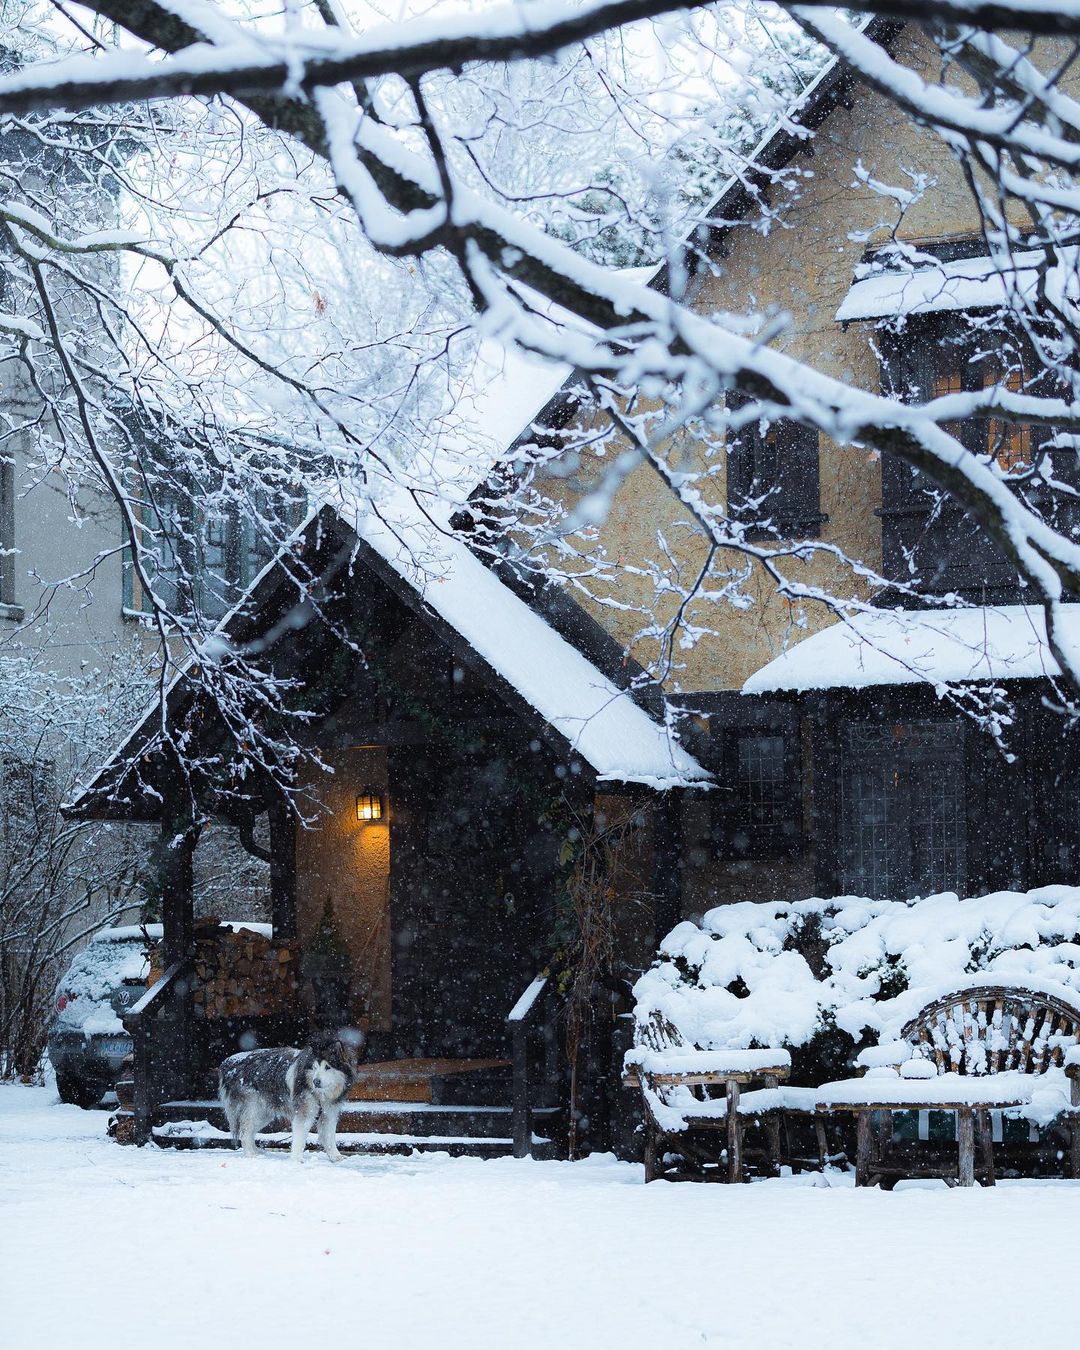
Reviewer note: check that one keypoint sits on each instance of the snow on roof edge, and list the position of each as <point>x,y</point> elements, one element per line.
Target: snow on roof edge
<point>960,284</point>
<point>934,646</point>
<point>601,722</point>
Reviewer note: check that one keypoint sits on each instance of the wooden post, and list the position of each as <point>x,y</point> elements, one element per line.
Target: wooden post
<point>142,1086</point>
<point>667,853</point>
<point>985,1138</point>
<point>734,1140</point>
<point>965,1139</point>
<point>170,1045</point>
<point>1074,1122</point>
<point>176,874</point>
<point>282,867</point>
<point>521,1125</point>
<point>864,1147</point>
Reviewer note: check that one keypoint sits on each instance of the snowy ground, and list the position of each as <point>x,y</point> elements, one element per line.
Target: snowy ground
<point>103,1246</point>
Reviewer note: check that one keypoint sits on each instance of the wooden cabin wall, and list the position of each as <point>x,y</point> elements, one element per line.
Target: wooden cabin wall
<point>473,870</point>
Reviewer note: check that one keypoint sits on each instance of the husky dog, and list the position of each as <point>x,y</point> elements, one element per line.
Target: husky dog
<point>300,1086</point>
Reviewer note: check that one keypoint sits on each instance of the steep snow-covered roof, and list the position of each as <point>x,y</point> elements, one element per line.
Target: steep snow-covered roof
<point>937,646</point>
<point>961,284</point>
<point>600,721</point>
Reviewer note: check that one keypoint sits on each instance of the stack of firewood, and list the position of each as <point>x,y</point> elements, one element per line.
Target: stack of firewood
<point>241,973</point>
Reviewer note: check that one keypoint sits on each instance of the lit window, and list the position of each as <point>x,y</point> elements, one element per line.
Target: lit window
<point>1009,442</point>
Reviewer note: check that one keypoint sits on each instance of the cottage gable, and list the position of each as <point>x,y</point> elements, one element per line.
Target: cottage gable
<point>798,254</point>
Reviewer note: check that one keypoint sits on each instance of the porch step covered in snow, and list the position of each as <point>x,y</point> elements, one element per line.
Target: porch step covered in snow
<point>370,1127</point>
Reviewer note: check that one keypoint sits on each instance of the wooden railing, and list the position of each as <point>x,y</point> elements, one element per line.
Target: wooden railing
<point>160,1029</point>
<point>520,1021</point>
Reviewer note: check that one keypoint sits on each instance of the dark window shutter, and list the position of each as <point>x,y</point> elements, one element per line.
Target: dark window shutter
<point>798,499</point>
<point>778,464</point>
<point>741,464</point>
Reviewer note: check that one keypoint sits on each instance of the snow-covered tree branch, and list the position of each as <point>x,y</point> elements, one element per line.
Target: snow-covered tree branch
<point>385,148</point>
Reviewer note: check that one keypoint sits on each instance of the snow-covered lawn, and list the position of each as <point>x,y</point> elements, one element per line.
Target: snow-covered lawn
<point>103,1246</point>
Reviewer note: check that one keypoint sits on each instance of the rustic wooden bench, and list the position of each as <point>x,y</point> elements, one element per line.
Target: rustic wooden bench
<point>972,1051</point>
<point>690,1095</point>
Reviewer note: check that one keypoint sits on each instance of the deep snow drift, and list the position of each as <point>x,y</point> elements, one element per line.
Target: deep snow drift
<point>101,1246</point>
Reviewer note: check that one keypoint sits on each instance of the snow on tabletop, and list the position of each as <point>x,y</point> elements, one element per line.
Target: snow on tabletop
<point>936,646</point>
<point>737,980</point>
<point>707,1061</point>
<point>929,288</point>
<point>600,721</point>
<point>888,1088</point>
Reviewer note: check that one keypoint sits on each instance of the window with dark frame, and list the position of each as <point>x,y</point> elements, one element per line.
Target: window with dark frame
<point>925,536</point>
<point>203,560</point>
<point>774,476</point>
<point>759,815</point>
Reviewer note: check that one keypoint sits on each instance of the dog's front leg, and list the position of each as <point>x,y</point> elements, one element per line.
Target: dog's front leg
<point>301,1127</point>
<point>328,1131</point>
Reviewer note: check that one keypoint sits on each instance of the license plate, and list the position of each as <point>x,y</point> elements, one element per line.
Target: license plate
<point>116,1045</point>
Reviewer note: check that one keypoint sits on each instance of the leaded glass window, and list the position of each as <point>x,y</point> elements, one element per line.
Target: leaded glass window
<point>903,809</point>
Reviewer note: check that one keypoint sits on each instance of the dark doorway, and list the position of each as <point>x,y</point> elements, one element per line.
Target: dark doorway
<point>472,869</point>
<point>903,829</point>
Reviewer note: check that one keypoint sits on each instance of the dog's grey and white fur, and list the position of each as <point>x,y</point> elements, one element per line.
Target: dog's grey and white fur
<point>298,1086</point>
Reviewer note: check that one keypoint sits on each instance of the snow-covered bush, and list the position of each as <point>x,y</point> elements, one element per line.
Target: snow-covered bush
<point>827,977</point>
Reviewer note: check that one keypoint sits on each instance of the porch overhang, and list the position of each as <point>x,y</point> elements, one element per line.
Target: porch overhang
<point>541,678</point>
<point>968,284</point>
<point>929,647</point>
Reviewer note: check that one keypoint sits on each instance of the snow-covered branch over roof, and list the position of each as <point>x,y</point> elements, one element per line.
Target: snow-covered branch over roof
<point>938,287</point>
<point>919,646</point>
<point>600,721</point>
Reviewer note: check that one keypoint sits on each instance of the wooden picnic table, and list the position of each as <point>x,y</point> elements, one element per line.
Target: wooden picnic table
<point>874,1163</point>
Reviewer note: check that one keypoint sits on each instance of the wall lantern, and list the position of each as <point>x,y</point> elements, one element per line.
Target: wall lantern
<point>369,805</point>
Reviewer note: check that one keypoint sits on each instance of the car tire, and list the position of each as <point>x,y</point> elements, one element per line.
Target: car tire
<point>78,1092</point>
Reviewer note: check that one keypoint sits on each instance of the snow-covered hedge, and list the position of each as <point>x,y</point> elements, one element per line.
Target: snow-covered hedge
<point>832,976</point>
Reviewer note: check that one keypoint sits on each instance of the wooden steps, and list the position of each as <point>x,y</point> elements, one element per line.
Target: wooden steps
<point>396,1106</point>
<point>200,1135</point>
<point>428,1080</point>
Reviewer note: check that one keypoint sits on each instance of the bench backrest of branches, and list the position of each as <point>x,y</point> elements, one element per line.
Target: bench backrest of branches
<point>660,1034</point>
<point>994,1029</point>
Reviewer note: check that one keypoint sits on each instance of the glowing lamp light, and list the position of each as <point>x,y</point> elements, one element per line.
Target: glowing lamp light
<point>368,805</point>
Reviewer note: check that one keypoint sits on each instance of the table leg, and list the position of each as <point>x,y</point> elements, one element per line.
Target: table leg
<point>985,1138</point>
<point>650,1152</point>
<point>734,1141</point>
<point>822,1141</point>
<point>965,1139</point>
<point>864,1148</point>
<point>771,1124</point>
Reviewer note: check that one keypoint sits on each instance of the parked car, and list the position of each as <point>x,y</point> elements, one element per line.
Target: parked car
<point>87,1040</point>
